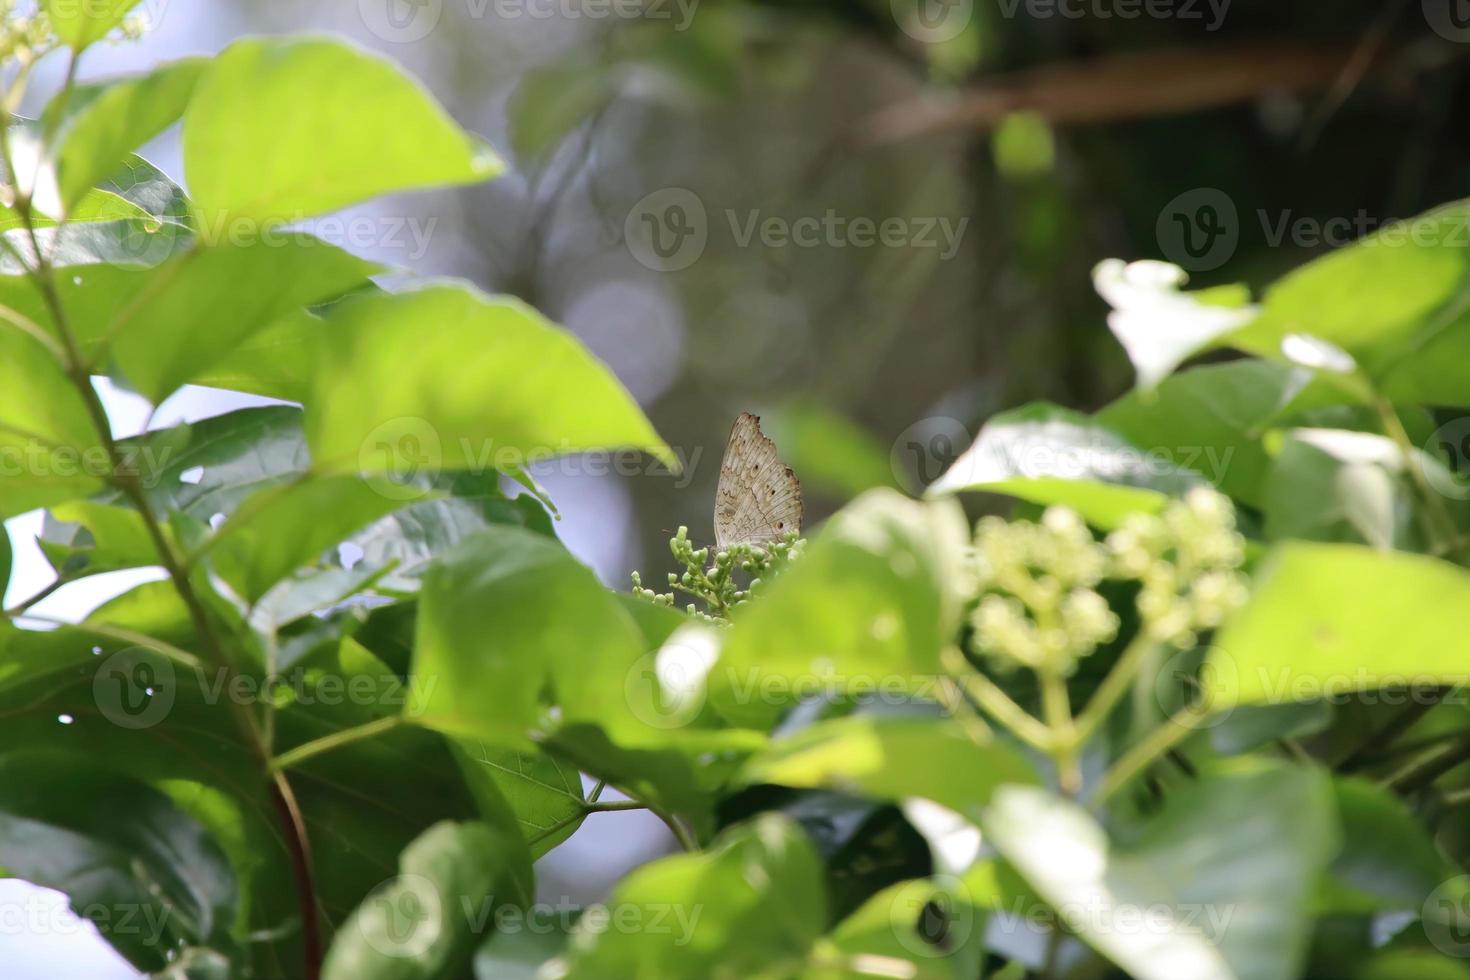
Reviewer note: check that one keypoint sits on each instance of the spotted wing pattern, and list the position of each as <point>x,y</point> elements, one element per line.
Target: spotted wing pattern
<point>759,497</point>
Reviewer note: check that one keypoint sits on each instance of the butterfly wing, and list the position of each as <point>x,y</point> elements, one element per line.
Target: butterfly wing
<point>759,497</point>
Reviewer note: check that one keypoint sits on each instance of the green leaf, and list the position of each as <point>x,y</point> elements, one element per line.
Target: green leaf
<point>425,923</point>
<point>460,380</point>
<point>83,22</point>
<point>146,874</point>
<point>97,126</point>
<point>267,139</point>
<point>1217,885</point>
<point>544,793</point>
<point>7,562</point>
<point>89,538</point>
<point>1049,455</point>
<point>49,450</point>
<point>1315,626</point>
<point>1211,420</point>
<point>1395,300</point>
<point>493,628</point>
<point>871,602</point>
<point>1387,858</point>
<point>891,757</point>
<point>237,289</point>
<point>753,900</point>
<point>834,455</point>
<point>919,927</point>
<point>280,529</point>
<point>1335,485</point>
<point>553,100</point>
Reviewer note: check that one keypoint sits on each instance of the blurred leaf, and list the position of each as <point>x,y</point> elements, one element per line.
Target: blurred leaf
<point>1314,626</point>
<point>1387,857</point>
<point>49,450</point>
<point>239,289</point>
<point>553,100</point>
<point>1215,886</point>
<point>754,899</point>
<point>520,955</point>
<point>257,151</point>
<point>834,456</point>
<point>88,538</point>
<point>142,871</point>
<point>891,757</point>
<point>1049,455</point>
<point>81,22</point>
<point>1211,420</point>
<point>425,923</point>
<point>871,602</point>
<point>280,529</point>
<point>1395,300</point>
<point>460,380</point>
<point>97,126</point>
<point>1334,485</point>
<point>917,926</point>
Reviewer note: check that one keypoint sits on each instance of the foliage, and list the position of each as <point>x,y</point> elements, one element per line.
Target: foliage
<point>1114,754</point>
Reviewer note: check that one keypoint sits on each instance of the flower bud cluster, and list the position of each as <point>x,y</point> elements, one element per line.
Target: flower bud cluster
<point>713,579</point>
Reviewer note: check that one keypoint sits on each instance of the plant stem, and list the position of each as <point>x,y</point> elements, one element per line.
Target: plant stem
<point>1173,731</point>
<point>292,824</point>
<point>22,606</point>
<point>1442,524</point>
<point>336,740</point>
<point>996,702</point>
<point>1114,686</point>
<point>1428,767</point>
<point>1064,745</point>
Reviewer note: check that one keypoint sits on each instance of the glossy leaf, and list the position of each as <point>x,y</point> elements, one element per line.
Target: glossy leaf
<point>432,357</point>
<point>257,152</point>
<point>425,923</point>
<point>752,900</point>
<point>97,126</point>
<point>1215,887</point>
<point>145,873</point>
<point>82,23</point>
<point>1049,455</point>
<point>892,757</point>
<point>870,603</point>
<point>1314,626</point>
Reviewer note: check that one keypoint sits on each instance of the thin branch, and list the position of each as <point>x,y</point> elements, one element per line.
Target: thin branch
<point>1173,731</point>
<point>336,740</point>
<point>995,702</point>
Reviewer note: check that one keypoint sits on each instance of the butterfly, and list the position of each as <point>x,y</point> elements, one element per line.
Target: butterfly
<point>759,497</point>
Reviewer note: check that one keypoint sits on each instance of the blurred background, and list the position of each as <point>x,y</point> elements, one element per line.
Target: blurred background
<point>872,222</point>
